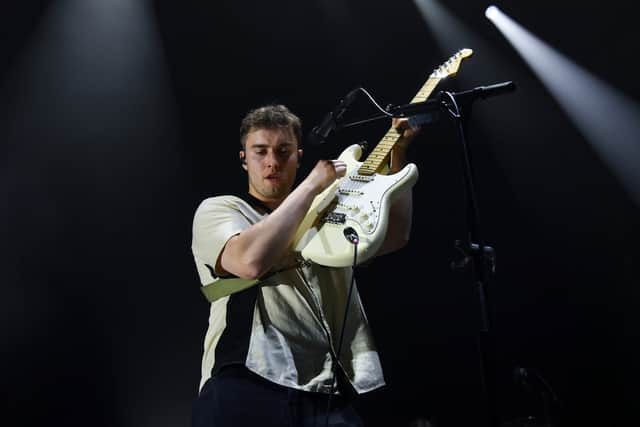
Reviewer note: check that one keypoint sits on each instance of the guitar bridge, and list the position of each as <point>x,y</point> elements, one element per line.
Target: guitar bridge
<point>335,218</point>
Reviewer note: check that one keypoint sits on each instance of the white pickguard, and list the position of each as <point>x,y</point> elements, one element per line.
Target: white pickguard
<point>359,201</point>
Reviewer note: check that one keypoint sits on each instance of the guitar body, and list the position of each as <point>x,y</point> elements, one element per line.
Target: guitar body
<point>358,201</point>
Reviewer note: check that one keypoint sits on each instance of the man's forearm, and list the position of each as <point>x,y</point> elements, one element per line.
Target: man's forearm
<point>254,251</point>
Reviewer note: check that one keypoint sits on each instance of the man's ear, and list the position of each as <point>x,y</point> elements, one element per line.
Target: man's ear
<point>243,159</point>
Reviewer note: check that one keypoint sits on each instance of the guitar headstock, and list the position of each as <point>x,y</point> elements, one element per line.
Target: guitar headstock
<point>450,68</point>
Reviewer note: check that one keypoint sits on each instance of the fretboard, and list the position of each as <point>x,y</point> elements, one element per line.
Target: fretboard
<point>379,156</point>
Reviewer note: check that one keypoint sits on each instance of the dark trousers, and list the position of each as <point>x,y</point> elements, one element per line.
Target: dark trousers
<point>236,397</point>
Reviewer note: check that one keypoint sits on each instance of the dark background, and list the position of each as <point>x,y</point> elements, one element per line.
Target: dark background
<point>102,317</point>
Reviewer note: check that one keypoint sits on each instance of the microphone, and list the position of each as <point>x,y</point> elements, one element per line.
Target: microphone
<point>483,92</point>
<point>320,132</point>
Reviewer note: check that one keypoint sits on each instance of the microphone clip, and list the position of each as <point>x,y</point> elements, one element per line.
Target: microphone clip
<point>471,253</point>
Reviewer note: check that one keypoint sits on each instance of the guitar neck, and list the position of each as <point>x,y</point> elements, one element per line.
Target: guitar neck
<point>379,156</point>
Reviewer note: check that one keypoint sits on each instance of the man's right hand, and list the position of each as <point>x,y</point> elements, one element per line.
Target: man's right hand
<point>324,173</point>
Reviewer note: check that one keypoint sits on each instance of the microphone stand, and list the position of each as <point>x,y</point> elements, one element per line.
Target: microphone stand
<point>478,257</point>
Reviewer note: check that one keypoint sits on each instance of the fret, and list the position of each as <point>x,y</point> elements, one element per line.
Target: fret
<point>426,90</point>
<point>379,153</point>
<point>373,163</point>
<point>363,171</point>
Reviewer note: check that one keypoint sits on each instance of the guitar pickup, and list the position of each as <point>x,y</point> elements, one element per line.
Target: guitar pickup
<point>361,178</point>
<point>346,192</point>
<point>335,218</point>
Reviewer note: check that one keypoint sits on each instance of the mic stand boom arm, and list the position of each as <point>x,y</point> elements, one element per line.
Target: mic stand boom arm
<point>428,111</point>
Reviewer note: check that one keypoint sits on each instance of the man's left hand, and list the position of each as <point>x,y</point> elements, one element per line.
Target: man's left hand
<point>408,132</point>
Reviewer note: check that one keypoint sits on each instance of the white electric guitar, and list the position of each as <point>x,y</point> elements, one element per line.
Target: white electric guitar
<point>362,198</point>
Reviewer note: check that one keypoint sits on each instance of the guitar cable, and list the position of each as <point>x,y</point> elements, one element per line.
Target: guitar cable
<point>352,236</point>
<point>373,101</point>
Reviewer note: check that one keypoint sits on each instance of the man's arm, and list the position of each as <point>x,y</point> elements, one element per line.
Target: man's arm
<point>255,250</point>
<point>401,211</point>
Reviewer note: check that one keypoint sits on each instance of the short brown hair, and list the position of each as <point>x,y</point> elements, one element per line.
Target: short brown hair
<point>270,117</point>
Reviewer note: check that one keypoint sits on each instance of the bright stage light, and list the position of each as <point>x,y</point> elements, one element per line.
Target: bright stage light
<point>491,12</point>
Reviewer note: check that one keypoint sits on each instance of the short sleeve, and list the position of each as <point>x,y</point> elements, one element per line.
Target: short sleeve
<point>216,220</point>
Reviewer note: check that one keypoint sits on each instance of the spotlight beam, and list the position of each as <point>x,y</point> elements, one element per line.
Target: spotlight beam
<point>608,119</point>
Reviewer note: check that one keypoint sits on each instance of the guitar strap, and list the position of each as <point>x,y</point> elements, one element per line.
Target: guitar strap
<point>224,287</point>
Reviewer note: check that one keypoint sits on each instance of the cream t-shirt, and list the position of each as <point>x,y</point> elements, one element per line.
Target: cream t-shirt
<point>286,328</point>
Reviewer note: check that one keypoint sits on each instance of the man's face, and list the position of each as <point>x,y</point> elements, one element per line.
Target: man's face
<point>271,162</point>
